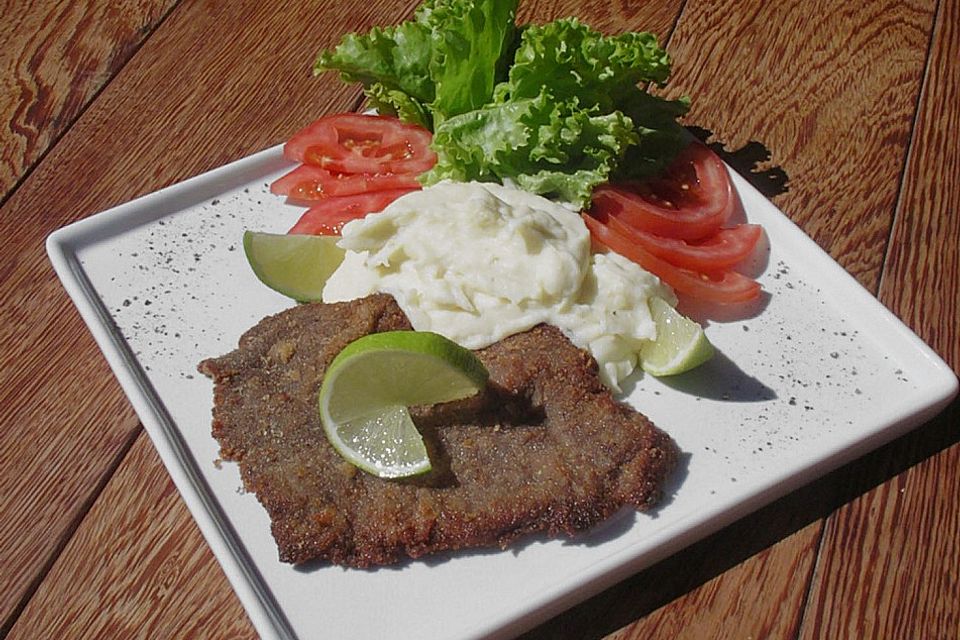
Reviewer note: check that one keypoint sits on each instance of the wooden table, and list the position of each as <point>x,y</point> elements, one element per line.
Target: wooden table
<point>859,105</point>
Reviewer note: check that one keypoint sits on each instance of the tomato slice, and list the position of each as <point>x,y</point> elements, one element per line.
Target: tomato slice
<point>308,184</point>
<point>358,143</point>
<point>721,287</point>
<point>319,133</point>
<point>717,252</point>
<point>691,200</point>
<point>328,216</point>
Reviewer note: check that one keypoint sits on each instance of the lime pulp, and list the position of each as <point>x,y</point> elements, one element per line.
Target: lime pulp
<point>681,344</point>
<point>367,389</point>
<point>294,265</point>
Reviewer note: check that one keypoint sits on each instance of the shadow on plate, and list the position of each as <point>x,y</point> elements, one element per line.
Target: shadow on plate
<point>618,524</point>
<point>721,379</point>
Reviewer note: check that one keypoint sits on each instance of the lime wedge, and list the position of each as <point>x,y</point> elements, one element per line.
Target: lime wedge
<point>295,265</point>
<point>680,346</point>
<point>368,387</point>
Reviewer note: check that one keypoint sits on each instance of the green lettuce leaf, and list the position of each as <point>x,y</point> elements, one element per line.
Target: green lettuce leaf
<point>444,62</point>
<point>660,135</point>
<point>574,60</point>
<point>571,115</point>
<point>395,102</point>
<point>557,108</point>
<point>471,40</point>
<point>606,73</point>
<point>554,148</point>
<point>398,58</point>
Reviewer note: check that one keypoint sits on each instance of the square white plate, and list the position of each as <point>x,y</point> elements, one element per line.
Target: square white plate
<point>824,374</point>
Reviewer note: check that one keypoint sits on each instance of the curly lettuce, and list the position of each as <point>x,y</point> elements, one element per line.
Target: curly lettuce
<point>557,108</point>
<point>444,62</point>
<point>574,60</point>
<point>470,43</point>
<point>554,148</point>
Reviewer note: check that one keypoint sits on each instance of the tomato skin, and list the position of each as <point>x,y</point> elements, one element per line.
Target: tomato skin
<point>327,217</point>
<point>721,287</point>
<point>672,226</point>
<point>308,184</point>
<point>302,185</point>
<point>318,132</point>
<point>719,251</point>
<point>633,210</point>
<point>359,143</point>
<point>690,201</point>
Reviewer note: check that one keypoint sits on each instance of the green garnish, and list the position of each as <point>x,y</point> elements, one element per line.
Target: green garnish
<point>556,108</point>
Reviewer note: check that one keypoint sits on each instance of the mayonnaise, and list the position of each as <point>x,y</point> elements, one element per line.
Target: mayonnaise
<point>477,262</point>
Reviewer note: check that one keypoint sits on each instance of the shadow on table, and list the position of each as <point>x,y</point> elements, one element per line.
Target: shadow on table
<point>670,579</point>
<point>751,161</point>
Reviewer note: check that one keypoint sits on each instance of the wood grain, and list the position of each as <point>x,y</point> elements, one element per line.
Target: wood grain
<point>65,436</point>
<point>730,57</point>
<point>838,127</point>
<point>921,277</point>
<point>60,440</point>
<point>54,58</point>
<point>606,16</point>
<point>218,81</point>
<point>137,567</point>
<point>892,556</point>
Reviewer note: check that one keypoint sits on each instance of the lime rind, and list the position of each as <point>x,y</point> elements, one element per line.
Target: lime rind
<point>681,343</point>
<point>382,387</point>
<point>426,343</point>
<point>367,388</point>
<point>297,266</point>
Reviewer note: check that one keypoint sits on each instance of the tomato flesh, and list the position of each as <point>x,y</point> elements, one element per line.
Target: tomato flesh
<point>722,250</point>
<point>358,143</point>
<point>327,217</point>
<point>308,184</point>
<point>673,226</point>
<point>721,287</point>
<point>690,201</point>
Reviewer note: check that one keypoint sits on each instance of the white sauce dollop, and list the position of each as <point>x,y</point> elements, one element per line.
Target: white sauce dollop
<point>478,262</point>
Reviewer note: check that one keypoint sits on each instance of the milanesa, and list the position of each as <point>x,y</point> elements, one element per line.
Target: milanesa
<point>545,448</point>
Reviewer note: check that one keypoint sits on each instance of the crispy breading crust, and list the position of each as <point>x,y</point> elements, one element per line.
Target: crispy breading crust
<point>545,448</point>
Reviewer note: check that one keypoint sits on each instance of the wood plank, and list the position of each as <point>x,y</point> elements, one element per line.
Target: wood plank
<point>211,156</point>
<point>838,128</point>
<point>136,568</point>
<point>842,191</point>
<point>606,16</point>
<point>891,557</point>
<point>65,420</point>
<point>54,58</point>
<point>888,568</point>
<point>60,441</point>
<point>921,277</point>
<point>707,590</point>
